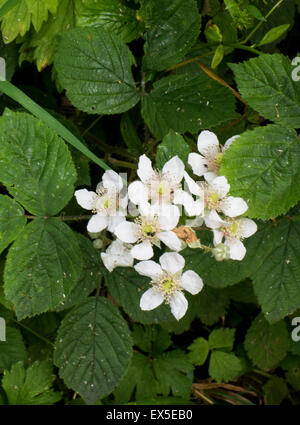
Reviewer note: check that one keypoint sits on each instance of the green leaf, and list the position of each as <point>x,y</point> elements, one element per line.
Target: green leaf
<point>173,29</point>
<point>205,299</point>
<point>42,267</point>
<point>172,144</point>
<point>12,221</point>
<point>10,54</point>
<point>275,390</point>
<point>263,167</point>
<point>94,67</point>
<point>276,272</point>
<point>186,103</point>
<point>93,348</point>
<point>151,339</point>
<point>266,83</point>
<point>32,386</point>
<point>12,350</point>
<point>127,287</point>
<point>41,46</point>
<point>222,338</point>
<point>174,373</point>
<point>130,135</point>
<point>112,15</point>
<point>199,350</point>
<point>90,275</point>
<point>267,344</point>
<point>15,21</point>
<point>218,56</point>
<point>39,11</point>
<point>274,34</point>
<point>224,367</point>
<point>36,165</point>
<point>291,365</point>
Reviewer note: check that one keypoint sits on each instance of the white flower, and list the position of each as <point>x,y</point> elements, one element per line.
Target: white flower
<point>107,204</point>
<point>214,195</point>
<point>159,186</point>
<point>168,282</point>
<point>117,255</point>
<point>234,230</point>
<point>208,163</point>
<point>155,224</point>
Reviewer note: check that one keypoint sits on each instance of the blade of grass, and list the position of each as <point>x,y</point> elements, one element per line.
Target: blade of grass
<point>17,95</point>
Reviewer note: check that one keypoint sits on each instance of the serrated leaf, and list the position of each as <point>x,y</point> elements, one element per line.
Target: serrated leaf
<point>42,45</point>
<point>94,67</point>
<point>171,145</point>
<point>90,277</point>
<point>10,54</point>
<point>130,135</point>
<point>222,338</point>
<point>291,365</point>
<point>42,267</point>
<point>173,29</point>
<point>111,15</point>
<point>276,272</point>
<point>32,386</point>
<point>274,34</point>
<point>16,21</point>
<point>263,167</point>
<point>36,165</point>
<point>267,344</point>
<point>39,11</point>
<point>205,299</point>
<point>127,287</point>
<point>186,103</point>
<point>199,350</point>
<point>224,367</point>
<point>275,390</point>
<point>266,83</point>
<point>12,221</point>
<point>12,350</point>
<point>93,348</point>
<point>151,339</point>
<point>174,372</point>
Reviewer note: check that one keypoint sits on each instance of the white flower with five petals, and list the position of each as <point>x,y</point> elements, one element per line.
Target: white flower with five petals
<point>159,186</point>
<point>234,230</point>
<point>117,255</point>
<point>208,162</point>
<point>153,226</point>
<point>107,204</point>
<point>216,200</point>
<point>168,282</point>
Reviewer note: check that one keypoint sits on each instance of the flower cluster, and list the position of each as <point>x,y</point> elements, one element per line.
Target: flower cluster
<point>166,208</point>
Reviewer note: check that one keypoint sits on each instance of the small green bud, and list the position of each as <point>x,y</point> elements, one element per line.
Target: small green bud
<point>98,243</point>
<point>221,252</point>
<point>94,235</point>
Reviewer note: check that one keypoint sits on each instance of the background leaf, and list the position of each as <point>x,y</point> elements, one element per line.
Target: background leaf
<point>12,221</point>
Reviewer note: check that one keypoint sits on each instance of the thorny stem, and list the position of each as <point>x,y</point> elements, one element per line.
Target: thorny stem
<point>261,22</point>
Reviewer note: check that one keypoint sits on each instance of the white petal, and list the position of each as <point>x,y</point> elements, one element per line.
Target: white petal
<point>233,207</point>
<point>191,206</point>
<point>149,268</point>
<point>172,262</point>
<point>142,251</point>
<point>210,176</point>
<point>208,143</point>
<point>127,232</point>
<point>174,167</point>
<point>151,299</point>
<point>191,282</point>
<point>198,163</point>
<point>228,142</point>
<point>85,198</point>
<point>112,180</point>
<point>218,236</point>
<point>114,221</point>
<point>168,216</point>
<point>195,222</point>
<point>170,239</point>
<point>146,210</point>
<point>178,304</point>
<point>236,248</point>
<point>248,227</point>
<point>137,192</point>
<point>145,170</point>
<point>220,186</point>
<point>192,186</point>
<point>213,220</point>
<point>97,223</point>
<point>111,261</point>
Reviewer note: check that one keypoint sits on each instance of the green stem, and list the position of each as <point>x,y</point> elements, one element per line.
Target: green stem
<point>248,48</point>
<point>18,96</point>
<point>261,22</point>
<point>92,125</point>
<point>46,340</point>
<point>262,373</point>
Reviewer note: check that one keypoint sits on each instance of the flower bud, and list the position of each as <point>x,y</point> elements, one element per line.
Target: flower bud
<point>98,243</point>
<point>221,252</point>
